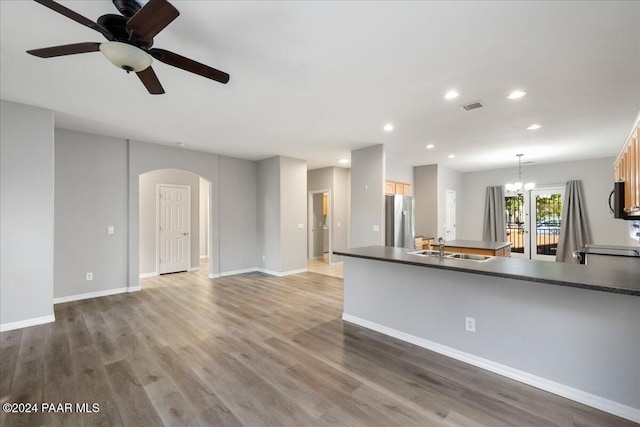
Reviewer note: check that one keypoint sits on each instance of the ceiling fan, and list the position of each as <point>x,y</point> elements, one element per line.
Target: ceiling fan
<point>130,40</point>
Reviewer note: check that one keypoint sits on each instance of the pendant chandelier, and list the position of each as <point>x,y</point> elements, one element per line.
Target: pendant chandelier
<point>518,187</point>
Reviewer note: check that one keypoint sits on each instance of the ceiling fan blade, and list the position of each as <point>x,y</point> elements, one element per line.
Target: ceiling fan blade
<point>190,65</point>
<point>152,18</point>
<point>150,81</point>
<point>76,17</point>
<point>67,49</point>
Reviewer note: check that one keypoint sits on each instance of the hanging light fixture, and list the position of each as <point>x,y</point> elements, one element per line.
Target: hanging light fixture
<point>518,187</point>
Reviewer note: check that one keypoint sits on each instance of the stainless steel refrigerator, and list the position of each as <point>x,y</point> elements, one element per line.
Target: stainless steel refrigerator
<point>399,221</point>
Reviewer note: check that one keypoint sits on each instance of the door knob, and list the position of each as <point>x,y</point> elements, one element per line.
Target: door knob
<point>185,234</point>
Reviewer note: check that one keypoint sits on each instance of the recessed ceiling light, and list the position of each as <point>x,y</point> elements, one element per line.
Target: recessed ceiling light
<point>452,94</point>
<point>534,127</point>
<point>516,94</point>
<point>343,161</point>
<point>451,156</point>
<point>430,146</point>
<point>388,127</point>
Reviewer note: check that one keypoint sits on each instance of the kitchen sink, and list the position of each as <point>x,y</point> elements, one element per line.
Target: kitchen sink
<point>451,255</point>
<point>429,253</point>
<point>471,257</point>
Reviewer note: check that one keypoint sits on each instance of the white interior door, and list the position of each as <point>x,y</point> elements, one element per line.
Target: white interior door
<point>450,215</point>
<point>174,218</point>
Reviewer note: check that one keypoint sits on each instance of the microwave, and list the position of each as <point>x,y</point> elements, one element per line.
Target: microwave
<point>616,203</point>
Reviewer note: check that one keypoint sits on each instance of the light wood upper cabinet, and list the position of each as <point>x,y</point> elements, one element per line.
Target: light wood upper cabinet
<point>325,204</point>
<point>627,169</point>
<point>396,187</point>
<point>389,188</point>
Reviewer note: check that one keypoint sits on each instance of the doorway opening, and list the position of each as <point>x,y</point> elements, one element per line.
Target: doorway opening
<point>174,222</point>
<point>319,230</point>
<point>450,215</point>
<point>533,223</point>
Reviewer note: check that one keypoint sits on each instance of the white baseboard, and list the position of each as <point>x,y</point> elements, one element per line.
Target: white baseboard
<point>133,288</point>
<point>194,268</point>
<point>147,275</point>
<point>260,270</point>
<point>88,295</point>
<point>204,256</point>
<point>575,394</point>
<point>234,272</point>
<point>9,326</point>
<point>281,274</point>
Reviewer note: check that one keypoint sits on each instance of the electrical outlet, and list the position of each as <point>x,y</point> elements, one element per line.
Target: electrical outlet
<point>376,228</point>
<point>264,257</point>
<point>470,324</point>
<point>89,276</point>
<point>111,229</point>
<point>300,226</point>
<point>339,225</point>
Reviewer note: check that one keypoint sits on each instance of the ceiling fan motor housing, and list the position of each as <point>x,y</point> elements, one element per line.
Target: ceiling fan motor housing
<point>127,8</point>
<point>117,25</point>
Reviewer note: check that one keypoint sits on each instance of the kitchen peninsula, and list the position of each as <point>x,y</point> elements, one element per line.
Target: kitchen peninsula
<point>568,329</point>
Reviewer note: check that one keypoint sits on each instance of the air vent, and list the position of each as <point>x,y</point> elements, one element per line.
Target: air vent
<point>473,105</point>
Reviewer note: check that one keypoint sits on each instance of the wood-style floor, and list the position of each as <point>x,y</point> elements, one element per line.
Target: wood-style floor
<point>252,350</point>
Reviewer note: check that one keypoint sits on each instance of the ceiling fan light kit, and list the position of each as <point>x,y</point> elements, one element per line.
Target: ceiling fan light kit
<point>130,38</point>
<point>125,56</point>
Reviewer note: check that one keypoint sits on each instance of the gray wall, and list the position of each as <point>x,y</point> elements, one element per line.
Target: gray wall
<point>396,170</point>
<point>145,157</point>
<point>584,339</point>
<point>148,214</point>
<point>232,202</point>
<point>597,180</point>
<point>450,179</point>
<point>203,220</point>
<point>426,196</point>
<point>237,213</point>
<point>281,206</point>
<point>340,210</point>
<point>367,196</point>
<point>90,195</point>
<point>26,212</point>
<point>293,208</point>
<point>268,214</point>
<point>320,179</point>
<point>317,226</point>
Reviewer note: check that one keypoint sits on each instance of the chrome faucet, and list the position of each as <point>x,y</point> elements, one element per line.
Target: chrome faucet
<point>441,243</point>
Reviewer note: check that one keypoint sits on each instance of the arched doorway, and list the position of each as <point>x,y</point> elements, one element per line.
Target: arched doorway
<point>174,230</point>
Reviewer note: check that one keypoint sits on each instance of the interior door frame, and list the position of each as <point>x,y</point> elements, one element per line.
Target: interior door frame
<point>446,213</point>
<point>188,188</point>
<point>310,221</point>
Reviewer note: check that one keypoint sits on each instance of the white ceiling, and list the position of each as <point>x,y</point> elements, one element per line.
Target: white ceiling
<point>314,80</point>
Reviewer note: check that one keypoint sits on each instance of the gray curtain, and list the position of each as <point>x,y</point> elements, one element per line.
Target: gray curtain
<point>495,227</point>
<point>575,231</point>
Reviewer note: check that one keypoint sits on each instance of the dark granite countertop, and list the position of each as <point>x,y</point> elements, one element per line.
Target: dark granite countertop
<point>475,244</point>
<point>553,273</point>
